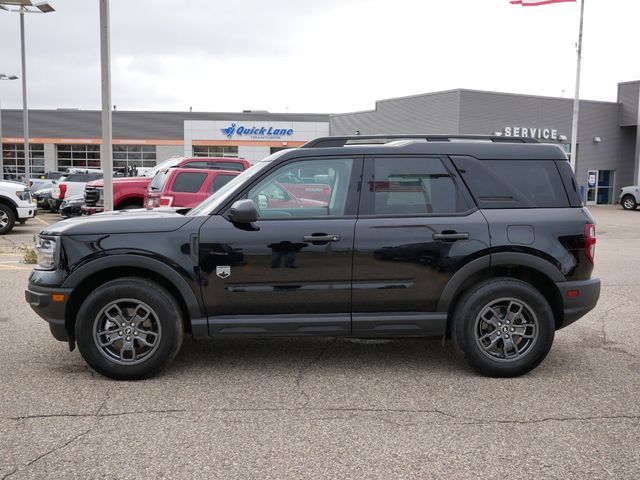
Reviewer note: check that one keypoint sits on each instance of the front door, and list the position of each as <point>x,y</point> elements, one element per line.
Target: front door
<point>289,272</point>
<point>416,227</point>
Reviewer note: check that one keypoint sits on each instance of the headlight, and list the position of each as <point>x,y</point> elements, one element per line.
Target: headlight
<point>24,195</point>
<point>47,250</point>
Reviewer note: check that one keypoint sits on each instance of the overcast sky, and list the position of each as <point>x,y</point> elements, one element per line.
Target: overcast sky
<point>324,56</point>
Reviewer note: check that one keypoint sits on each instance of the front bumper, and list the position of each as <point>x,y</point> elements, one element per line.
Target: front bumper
<point>90,210</point>
<point>577,306</point>
<point>27,212</point>
<point>41,301</point>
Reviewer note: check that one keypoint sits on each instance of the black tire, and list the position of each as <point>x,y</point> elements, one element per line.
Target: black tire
<point>165,317</point>
<point>484,332</point>
<point>628,202</point>
<point>7,219</point>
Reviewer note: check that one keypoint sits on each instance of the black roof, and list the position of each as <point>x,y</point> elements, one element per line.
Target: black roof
<point>484,148</point>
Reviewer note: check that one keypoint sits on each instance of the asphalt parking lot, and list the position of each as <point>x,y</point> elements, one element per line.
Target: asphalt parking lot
<point>326,408</point>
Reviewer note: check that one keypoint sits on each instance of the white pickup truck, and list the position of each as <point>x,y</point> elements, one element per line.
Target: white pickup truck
<point>15,205</point>
<point>70,185</point>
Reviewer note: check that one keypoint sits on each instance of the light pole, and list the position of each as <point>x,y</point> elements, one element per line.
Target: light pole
<point>25,6</point>
<point>105,75</point>
<point>3,76</point>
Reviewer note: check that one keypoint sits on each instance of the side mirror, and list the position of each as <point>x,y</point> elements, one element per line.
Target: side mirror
<point>243,212</point>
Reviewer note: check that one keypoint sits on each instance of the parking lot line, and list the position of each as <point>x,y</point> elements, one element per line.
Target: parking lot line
<point>42,221</point>
<point>4,266</point>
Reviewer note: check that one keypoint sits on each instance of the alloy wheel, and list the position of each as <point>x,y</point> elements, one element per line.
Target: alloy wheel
<point>4,219</point>
<point>127,331</point>
<point>506,329</point>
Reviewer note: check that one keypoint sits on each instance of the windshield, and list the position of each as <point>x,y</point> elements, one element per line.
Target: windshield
<point>170,162</point>
<point>211,203</point>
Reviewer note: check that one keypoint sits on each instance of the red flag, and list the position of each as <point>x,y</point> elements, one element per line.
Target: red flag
<point>536,3</point>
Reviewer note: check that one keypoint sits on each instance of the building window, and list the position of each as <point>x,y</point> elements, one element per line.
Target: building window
<point>13,160</point>
<point>129,156</point>
<point>214,151</point>
<point>79,156</point>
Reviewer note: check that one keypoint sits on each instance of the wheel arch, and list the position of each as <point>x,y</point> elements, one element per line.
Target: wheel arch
<point>90,276</point>
<point>535,271</point>
<point>9,203</point>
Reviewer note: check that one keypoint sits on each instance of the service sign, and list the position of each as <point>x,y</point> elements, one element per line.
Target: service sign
<point>532,132</point>
<point>255,132</point>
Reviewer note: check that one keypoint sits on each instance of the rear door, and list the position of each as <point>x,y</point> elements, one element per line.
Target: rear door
<point>185,190</point>
<point>417,225</point>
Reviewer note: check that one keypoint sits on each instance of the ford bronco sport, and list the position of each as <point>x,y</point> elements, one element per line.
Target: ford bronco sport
<point>481,239</point>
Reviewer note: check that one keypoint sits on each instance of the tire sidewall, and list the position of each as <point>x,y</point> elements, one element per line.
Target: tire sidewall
<point>12,219</point>
<point>471,305</point>
<point>158,299</point>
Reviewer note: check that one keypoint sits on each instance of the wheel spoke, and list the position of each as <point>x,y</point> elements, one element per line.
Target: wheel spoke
<point>127,346</point>
<point>110,340</point>
<point>521,330</point>
<point>509,345</point>
<point>142,338</point>
<point>513,311</point>
<point>493,317</point>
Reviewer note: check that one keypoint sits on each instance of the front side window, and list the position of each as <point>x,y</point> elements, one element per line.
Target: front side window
<point>307,188</point>
<point>412,186</point>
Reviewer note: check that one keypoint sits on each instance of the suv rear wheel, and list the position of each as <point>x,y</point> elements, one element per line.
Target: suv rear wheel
<point>629,202</point>
<point>504,326</point>
<point>129,329</point>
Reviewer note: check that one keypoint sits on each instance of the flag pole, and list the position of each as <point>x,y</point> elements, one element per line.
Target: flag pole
<point>576,100</point>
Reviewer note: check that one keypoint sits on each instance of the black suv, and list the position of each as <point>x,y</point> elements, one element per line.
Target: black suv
<point>482,239</point>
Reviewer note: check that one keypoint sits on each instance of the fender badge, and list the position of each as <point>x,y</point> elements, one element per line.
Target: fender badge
<point>223,271</point>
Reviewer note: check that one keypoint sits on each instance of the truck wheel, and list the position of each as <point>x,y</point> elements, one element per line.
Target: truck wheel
<point>129,329</point>
<point>7,219</point>
<point>129,204</point>
<point>504,326</point>
<point>628,202</point>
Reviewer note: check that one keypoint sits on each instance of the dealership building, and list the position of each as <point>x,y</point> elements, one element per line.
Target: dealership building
<point>608,149</point>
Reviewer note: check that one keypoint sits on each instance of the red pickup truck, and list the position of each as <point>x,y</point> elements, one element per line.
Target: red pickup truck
<point>129,192</point>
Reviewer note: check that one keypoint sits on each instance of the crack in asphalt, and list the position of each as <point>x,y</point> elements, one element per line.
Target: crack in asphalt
<point>469,419</point>
<point>49,452</point>
<point>303,370</point>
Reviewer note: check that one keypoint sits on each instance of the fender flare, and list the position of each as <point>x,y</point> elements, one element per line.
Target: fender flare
<point>193,303</point>
<point>495,259</point>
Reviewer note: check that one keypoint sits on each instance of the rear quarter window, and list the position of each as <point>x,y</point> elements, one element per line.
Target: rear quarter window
<point>188,182</point>
<point>159,179</point>
<point>513,183</point>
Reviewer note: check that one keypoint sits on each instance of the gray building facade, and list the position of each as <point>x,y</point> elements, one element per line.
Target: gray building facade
<point>608,152</point>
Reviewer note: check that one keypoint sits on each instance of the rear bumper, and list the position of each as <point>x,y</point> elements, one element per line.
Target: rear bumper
<point>39,298</point>
<point>575,307</point>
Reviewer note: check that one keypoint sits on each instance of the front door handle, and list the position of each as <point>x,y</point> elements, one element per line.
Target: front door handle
<point>451,236</point>
<point>321,237</point>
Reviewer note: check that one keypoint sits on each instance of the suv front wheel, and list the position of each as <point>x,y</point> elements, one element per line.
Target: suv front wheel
<point>128,329</point>
<point>505,327</point>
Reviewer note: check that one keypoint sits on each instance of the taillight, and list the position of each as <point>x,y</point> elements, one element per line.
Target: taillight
<point>63,190</point>
<point>30,183</point>
<point>590,240</point>
<point>166,201</point>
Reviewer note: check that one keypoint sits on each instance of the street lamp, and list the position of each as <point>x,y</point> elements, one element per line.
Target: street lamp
<point>22,7</point>
<point>3,76</point>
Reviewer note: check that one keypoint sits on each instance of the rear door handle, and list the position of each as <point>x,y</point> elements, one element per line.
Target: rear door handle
<point>321,238</point>
<point>451,236</point>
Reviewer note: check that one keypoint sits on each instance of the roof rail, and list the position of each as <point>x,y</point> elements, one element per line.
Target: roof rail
<point>327,142</point>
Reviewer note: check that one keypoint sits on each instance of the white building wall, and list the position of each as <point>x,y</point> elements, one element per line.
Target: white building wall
<point>167,151</point>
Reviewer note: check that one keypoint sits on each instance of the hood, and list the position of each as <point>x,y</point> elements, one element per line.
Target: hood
<point>122,181</point>
<point>121,221</point>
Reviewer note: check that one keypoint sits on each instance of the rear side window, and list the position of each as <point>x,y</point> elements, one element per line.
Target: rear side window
<point>220,181</point>
<point>188,182</point>
<point>413,186</point>
<point>159,180</point>
<point>513,183</point>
